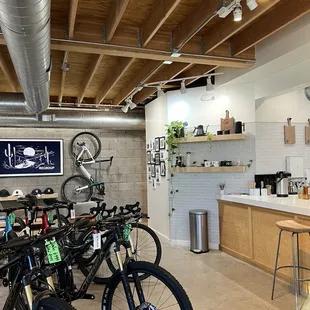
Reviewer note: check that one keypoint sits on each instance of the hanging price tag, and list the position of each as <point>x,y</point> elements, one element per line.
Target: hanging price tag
<point>126,232</point>
<point>72,214</point>
<point>52,250</point>
<point>97,241</point>
<point>50,217</point>
<point>99,217</point>
<point>12,218</point>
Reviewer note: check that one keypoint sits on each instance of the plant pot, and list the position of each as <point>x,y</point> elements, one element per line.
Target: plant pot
<point>222,192</point>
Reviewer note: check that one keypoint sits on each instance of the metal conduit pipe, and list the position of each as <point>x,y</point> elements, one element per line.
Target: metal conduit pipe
<point>26,28</point>
<point>13,113</point>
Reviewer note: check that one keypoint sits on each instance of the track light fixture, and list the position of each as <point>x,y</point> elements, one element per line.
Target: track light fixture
<point>210,91</point>
<point>238,12</point>
<point>125,108</point>
<point>252,4</point>
<point>160,92</point>
<point>132,105</point>
<point>183,89</point>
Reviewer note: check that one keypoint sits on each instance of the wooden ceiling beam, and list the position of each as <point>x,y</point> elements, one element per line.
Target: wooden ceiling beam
<point>158,16</point>
<point>168,73</point>
<point>63,77</point>
<point>113,78</point>
<point>228,27</point>
<point>200,16</point>
<point>9,74</point>
<point>132,52</point>
<point>285,13</point>
<point>95,62</point>
<point>150,68</point>
<point>114,17</point>
<point>72,16</point>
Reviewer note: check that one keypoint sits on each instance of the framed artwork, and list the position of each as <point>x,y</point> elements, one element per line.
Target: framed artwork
<point>156,144</point>
<point>157,170</point>
<point>149,157</point>
<point>163,169</point>
<point>147,146</point>
<point>153,172</point>
<point>157,159</point>
<point>154,183</point>
<point>149,172</point>
<point>31,157</point>
<point>162,143</point>
<point>162,155</point>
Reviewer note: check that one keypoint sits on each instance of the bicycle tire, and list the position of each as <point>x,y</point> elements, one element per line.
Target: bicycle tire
<point>153,235</point>
<point>96,139</point>
<point>53,303</point>
<point>153,270</point>
<point>63,189</point>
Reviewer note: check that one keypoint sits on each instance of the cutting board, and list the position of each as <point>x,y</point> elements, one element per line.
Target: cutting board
<point>307,133</point>
<point>228,123</point>
<point>289,132</point>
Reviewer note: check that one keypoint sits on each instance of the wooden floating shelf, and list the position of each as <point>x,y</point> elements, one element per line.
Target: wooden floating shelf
<point>15,198</point>
<point>209,169</point>
<point>232,137</point>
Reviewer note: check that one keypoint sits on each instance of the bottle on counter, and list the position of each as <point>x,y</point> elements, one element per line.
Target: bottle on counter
<point>306,192</point>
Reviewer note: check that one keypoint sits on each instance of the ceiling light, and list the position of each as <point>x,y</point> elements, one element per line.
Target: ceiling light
<point>238,12</point>
<point>167,62</point>
<point>210,95</point>
<point>252,4</point>
<point>160,92</point>
<point>131,104</point>
<point>125,108</point>
<point>175,54</point>
<point>183,89</point>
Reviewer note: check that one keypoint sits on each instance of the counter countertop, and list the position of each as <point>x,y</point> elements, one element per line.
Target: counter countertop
<point>290,204</point>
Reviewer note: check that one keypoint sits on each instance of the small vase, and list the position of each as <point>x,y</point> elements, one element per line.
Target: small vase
<point>222,192</point>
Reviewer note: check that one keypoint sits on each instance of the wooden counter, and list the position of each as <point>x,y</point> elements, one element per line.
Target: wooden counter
<point>249,233</point>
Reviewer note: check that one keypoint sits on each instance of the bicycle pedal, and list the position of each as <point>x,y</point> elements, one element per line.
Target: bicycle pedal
<point>88,296</point>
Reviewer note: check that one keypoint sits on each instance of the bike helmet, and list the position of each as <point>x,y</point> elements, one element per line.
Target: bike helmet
<point>4,193</point>
<point>48,191</point>
<point>36,191</point>
<point>18,193</point>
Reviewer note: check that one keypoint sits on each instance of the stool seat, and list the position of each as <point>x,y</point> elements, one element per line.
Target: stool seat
<point>293,226</point>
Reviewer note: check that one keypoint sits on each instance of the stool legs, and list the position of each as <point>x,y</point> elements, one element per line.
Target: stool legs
<point>276,265</point>
<point>298,264</point>
<point>294,272</point>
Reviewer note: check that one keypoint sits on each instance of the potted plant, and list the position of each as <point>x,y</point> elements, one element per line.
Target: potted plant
<point>222,188</point>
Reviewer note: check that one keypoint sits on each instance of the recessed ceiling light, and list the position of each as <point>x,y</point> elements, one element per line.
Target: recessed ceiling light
<point>175,54</point>
<point>168,62</point>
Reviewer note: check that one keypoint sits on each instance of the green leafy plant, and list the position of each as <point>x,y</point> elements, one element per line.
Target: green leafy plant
<point>209,140</point>
<point>250,163</point>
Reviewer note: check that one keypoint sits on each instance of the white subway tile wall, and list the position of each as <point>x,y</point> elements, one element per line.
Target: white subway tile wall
<point>125,180</point>
<point>200,191</point>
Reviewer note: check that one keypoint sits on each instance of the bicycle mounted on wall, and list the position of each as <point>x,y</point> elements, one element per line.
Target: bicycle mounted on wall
<point>85,147</point>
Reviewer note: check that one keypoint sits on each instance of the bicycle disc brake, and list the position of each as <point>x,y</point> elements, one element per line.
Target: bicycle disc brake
<point>146,306</point>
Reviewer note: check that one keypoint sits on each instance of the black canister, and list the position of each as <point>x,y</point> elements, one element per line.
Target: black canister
<point>238,127</point>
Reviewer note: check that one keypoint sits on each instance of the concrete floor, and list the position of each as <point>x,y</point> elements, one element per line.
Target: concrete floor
<point>212,281</point>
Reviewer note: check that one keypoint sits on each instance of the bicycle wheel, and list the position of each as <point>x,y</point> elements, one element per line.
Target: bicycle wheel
<point>160,290</point>
<point>52,303</point>
<point>146,244</point>
<point>69,189</point>
<point>92,142</point>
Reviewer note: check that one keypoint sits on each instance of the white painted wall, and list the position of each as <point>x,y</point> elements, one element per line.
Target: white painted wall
<point>156,117</point>
<point>279,108</point>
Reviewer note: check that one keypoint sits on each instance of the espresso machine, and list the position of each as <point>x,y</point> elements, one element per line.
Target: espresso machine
<point>282,183</point>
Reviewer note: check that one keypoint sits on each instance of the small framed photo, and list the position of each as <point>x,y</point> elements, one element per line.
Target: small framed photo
<point>162,143</point>
<point>163,169</point>
<point>162,155</point>
<point>149,157</point>
<point>157,159</point>
<point>153,172</point>
<point>157,170</point>
<point>156,144</point>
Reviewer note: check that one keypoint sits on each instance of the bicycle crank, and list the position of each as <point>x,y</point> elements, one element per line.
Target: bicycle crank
<point>146,306</point>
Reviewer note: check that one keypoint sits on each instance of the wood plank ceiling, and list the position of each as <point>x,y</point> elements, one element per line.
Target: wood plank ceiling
<point>103,49</point>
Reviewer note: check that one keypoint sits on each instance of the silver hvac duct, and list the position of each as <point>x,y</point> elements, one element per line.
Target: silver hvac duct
<point>26,28</point>
<point>13,114</point>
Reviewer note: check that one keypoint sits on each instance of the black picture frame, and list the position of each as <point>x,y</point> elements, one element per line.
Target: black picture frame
<point>162,168</point>
<point>149,157</point>
<point>162,143</point>
<point>157,158</point>
<point>157,144</point>
<point>153,171</point>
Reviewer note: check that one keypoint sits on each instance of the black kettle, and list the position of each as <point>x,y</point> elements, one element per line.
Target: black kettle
<point>198,131</point>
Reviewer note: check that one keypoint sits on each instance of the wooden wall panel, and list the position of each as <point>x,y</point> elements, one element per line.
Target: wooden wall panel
<point>265,238</point>
<point>234,228</point>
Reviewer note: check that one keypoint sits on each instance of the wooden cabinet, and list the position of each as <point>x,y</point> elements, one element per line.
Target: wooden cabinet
<point>250,234</point>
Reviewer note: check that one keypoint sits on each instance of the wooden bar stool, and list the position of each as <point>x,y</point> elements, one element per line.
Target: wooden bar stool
<point>296,229</point>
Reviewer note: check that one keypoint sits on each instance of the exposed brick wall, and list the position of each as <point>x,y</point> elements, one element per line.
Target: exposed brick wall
<point>125,179</point>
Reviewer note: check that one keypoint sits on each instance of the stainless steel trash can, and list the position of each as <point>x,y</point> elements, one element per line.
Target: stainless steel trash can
<point>198,223</point>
